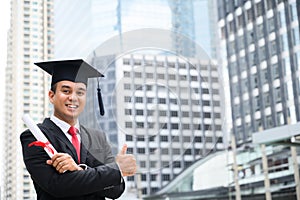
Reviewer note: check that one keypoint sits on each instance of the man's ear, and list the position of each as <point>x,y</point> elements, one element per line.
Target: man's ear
<point>51,95</point>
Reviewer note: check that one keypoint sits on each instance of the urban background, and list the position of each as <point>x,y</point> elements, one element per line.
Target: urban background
<point>205,93</point>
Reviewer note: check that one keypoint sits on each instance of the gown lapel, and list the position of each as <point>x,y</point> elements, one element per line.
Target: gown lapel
<point>84,144</point>
<point>64,143</point>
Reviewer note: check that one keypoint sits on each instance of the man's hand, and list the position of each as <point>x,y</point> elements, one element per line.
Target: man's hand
<point>126,162</point>
<point>63,162</point>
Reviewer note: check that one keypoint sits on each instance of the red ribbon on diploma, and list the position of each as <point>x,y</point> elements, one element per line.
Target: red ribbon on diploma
<point>42,144</point>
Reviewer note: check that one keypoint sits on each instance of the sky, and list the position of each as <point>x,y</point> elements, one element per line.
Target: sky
<point>4,10</point>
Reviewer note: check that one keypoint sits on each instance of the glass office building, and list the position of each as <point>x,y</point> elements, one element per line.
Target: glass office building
<point>165,108</point>
<point>30,39</point>
<point>261,41</point>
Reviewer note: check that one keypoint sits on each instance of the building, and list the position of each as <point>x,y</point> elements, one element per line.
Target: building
<point>261,39</point>
<point>183,22</point>
<point>196,182</point>
<point>97,21</point>
<point>167,110</point>
<point>262,45</point>
<point>30,39</point>
<point>81,27</point>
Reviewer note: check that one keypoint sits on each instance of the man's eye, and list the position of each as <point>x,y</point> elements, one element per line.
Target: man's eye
<point>66,91</point>
<point>80,93</point>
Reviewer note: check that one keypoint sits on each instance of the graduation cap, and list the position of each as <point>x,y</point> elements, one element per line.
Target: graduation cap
<point>72,70</point>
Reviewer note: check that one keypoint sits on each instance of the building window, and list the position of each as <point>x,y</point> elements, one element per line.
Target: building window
<point>112,125</point>
<point>126,74</point>
<point>127,99</point>
<point>259,9</point>
<point>176,164</point>
<point>175,138</point>
<point>271,24</point>
<point>172,77</point>
<point>174,126</point>
<point>185,114</point>
<point>153,177</point>
<point>153,164</point>
<point>138,87</point>
<point>166,177</point>
<point>163,125</point>
<point>164,138</point>
<point>139,99</point>
<point>129,138</point>
<point>140,124</point>
<point>139,112</point>
<point>128,112</point>
<point>174,113</point>
<point>138,75</point>
<point>126,62</point>
<point>173,101</point>
<point>165,164</point>
<point>144,191</point>
<point>176,151</point>
<point>188,152</point>
<point>165,151</point>
<point>137,62</point>
<point>144,177</point>
<point>127,86</point>
<point>185,126</point>
<point>161,76</point>
<point>149,75</point>
<point>186,139</point>
<point>149,100</point>
<point>240,21</point>
<point>141,150</point>
<point>128,124</point>
<point>162,113</point>
<point>161,100</point>
<point>142,164</point>
<point>196,114</point>
<point>249,15</point>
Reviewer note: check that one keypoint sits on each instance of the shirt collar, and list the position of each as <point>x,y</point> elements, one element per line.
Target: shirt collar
<point>64,126</point>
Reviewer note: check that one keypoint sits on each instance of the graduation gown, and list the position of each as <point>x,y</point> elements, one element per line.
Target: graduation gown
<point>101,179</point>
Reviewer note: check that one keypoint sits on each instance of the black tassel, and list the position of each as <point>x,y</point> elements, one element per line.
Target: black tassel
<point>100,102</point>
<point>101,107</point>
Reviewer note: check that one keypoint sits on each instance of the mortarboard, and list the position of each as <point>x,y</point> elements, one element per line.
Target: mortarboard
<point>72,70</point>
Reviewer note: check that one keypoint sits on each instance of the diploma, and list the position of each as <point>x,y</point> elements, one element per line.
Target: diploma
<point>42,141</point>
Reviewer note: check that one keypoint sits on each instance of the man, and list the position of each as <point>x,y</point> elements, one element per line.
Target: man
<point>84,167</point>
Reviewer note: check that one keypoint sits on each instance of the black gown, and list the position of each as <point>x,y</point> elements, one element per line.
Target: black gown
<point>101,179</point>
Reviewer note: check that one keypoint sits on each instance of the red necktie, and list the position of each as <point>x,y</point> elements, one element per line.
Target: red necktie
<point>73,131</point>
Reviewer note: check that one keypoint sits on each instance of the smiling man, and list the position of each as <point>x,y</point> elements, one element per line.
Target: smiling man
<point>68,100</point>
<point>84,168</point>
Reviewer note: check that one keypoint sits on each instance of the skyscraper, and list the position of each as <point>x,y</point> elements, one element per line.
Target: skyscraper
<point>96,21</point>
<point>30,39</point>
<point>183,22</point>
<point>83,26</point>
<point>261,41</point>
<point>165,108</point>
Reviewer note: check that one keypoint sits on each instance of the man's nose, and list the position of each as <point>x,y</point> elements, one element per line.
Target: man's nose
<point>73,96</point>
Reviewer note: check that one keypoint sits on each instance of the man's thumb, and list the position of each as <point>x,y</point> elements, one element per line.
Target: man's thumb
<point>123,150</point>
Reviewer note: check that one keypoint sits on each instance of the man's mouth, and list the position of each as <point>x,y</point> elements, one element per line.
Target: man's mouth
<point>72,106</point>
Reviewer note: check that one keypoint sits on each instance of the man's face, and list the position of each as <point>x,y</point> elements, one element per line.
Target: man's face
<point>68,100</point>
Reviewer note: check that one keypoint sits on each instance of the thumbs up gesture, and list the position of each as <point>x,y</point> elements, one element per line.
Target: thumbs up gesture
<point>126,162</point>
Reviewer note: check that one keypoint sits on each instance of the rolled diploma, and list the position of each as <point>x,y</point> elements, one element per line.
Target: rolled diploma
<point>38,134</point>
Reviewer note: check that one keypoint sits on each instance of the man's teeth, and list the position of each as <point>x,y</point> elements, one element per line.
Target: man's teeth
<point>72,106</point>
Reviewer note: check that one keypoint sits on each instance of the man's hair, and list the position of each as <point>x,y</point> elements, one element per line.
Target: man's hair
<point>53,88</point>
